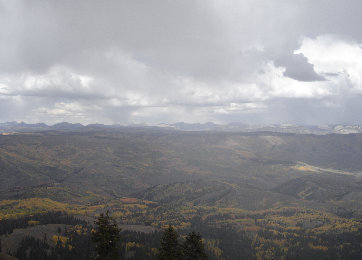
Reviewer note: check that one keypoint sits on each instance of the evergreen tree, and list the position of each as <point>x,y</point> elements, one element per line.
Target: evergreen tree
<point>170,248</point>
<point>107,238</point>
<point>193,248</point>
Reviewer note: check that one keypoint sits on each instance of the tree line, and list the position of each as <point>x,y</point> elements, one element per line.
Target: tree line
<point>8,225</point>
<point>104,242</point>
<point>107,238</point>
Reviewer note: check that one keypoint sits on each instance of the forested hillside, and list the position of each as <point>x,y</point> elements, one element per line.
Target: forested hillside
<point>279,195</point>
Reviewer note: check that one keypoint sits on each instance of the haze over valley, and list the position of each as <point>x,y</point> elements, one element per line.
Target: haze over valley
<point>293,184</point>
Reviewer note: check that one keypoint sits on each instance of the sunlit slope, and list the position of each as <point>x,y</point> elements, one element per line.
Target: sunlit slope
<point>323,187</point>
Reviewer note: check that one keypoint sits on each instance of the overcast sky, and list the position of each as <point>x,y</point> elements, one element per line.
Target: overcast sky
<point>164,61</point>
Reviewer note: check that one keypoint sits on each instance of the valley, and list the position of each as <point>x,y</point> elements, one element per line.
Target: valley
<point>279,190</point>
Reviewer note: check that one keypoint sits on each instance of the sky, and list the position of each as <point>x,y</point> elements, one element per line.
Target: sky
<point>194,61</point>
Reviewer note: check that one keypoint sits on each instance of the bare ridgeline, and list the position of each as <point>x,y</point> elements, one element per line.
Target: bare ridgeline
<point>263,192</point>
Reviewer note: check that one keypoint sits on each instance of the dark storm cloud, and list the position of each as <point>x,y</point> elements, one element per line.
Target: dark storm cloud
<point>163,61</point>
<point>298,67</point>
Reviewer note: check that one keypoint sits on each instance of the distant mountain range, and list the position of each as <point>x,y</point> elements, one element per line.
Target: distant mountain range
<point>11,127</point>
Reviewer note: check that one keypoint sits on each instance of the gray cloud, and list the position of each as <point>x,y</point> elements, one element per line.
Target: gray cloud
<point>167,61</point>
<point>298,67</point>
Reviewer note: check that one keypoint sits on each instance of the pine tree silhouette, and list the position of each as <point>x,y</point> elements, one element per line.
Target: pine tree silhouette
<point>107,237</point>
<point>193,248</point>
<point>170,248</point>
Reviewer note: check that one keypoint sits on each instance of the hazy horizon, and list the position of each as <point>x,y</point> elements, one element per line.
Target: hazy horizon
<point>154,62</point>
<point>179,122</point>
